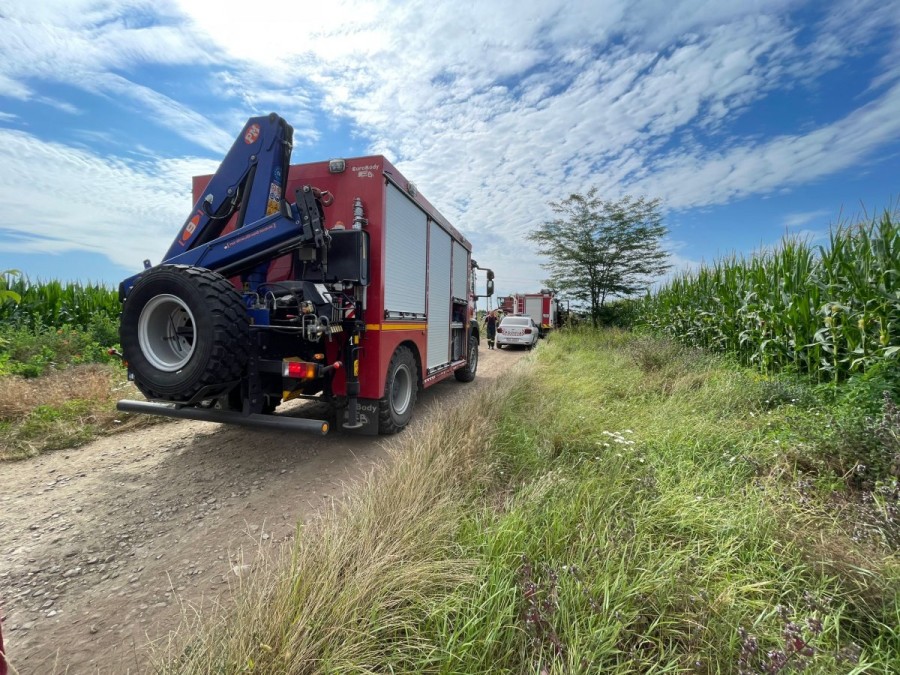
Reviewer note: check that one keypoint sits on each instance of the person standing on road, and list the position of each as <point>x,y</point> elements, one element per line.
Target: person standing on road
<point>490,323</point>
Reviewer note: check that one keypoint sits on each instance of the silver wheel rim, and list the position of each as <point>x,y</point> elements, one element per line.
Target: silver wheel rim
<point>401,390</point>
<point>473,358</point>
<point>167,333</point>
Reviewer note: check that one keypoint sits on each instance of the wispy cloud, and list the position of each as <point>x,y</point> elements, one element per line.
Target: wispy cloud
<point>685,180</point>
<point>163,110</point>
<point>804,218</point>
<point>127,211</point>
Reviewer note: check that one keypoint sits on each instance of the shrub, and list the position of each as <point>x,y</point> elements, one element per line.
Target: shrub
<point>33,352</point>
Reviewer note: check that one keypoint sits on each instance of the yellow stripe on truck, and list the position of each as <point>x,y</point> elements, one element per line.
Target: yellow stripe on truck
<point>396,326</point>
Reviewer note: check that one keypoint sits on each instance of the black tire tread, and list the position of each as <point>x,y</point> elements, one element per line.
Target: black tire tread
<point>231,344</point>
<point>466,374</point>
<point>386,423</point>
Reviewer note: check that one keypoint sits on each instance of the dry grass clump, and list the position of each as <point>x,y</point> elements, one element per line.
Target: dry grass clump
<point>88,382</point>
<point>62,409</point>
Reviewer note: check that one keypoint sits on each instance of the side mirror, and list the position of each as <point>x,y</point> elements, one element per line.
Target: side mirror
<point>490,284</point>
<point>490,274</point>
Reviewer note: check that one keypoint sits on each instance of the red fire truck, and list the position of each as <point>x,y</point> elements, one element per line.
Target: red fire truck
<point>358,292</point>
<point>507,305</point>
<point>542,307</point>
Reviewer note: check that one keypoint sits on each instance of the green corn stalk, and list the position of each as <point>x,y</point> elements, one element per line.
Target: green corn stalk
<point>54,305</point>
<point>828,311</point>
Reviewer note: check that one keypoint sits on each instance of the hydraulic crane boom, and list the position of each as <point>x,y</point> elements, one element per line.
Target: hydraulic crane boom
<point>249,181</point>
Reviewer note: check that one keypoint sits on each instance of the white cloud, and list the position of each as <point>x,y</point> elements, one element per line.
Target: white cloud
<point>804,218</point>
<point>690,180</point>
<point>493,108</point>
<point>163,110</point>
<point>14,88</point>
<point>126,211</point>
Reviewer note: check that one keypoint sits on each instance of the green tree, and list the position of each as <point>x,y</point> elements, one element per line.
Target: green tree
<point>5,292</point>
<point>600,249</point>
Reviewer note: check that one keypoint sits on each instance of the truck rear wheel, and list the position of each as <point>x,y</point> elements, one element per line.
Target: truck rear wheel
<point>400,389</point>
<point>183,329</point>
<point>467,372</point>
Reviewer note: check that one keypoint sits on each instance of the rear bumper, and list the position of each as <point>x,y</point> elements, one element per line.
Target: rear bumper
<point>224,416</point>
<point>524,340</point>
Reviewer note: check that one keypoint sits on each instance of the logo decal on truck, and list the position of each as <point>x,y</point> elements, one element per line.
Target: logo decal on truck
<point>250,235</point>
<point>274,201</point>
<point>189,229</point>
<point>252,134</point>
<point>365,171</point>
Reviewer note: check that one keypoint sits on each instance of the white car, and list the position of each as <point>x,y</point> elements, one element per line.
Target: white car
<point>517,330</point>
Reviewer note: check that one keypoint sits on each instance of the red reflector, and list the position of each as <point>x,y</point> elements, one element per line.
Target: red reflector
<point>298,370</point>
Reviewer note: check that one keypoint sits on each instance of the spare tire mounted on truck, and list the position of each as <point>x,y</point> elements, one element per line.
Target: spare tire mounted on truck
<point>185,330</point>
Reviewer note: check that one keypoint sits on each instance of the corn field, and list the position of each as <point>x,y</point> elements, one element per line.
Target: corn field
<point>827,310</point>
<point>54,304</point>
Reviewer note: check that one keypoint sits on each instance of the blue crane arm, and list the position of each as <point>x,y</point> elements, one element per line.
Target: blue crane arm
<point>249,181</point>
<point>293,226</point>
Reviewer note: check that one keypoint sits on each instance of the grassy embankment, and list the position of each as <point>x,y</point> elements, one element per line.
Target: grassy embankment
<point>617,505</point>
<point>58,385</point>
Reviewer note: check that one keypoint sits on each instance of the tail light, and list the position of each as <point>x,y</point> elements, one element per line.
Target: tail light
<point>499,330</point>
<point>527,331</point>
<point>299,370</point>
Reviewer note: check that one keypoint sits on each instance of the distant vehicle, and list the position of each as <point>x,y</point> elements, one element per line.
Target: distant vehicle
<point>542,306</point>
<point>517,330</point>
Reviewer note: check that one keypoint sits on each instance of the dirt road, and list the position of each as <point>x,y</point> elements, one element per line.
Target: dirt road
<point>101,545</point>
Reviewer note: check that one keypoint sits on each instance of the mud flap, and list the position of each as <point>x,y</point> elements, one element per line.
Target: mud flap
<point>368,416</point>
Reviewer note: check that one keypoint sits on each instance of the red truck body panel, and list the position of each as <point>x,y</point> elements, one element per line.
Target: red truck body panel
<point>369,178</point>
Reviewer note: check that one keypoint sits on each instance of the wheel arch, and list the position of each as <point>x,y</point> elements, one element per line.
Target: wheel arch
<point>395,407</point>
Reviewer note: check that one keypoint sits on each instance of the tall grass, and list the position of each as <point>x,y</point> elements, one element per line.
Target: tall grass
<point>609,507</point>
<point>828,311</point>
<point>352,594</point>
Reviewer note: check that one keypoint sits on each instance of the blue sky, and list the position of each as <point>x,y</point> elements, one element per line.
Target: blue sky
<point>748,119</point>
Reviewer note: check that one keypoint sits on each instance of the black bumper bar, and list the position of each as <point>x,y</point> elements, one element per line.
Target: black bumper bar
<point>224,416</point>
